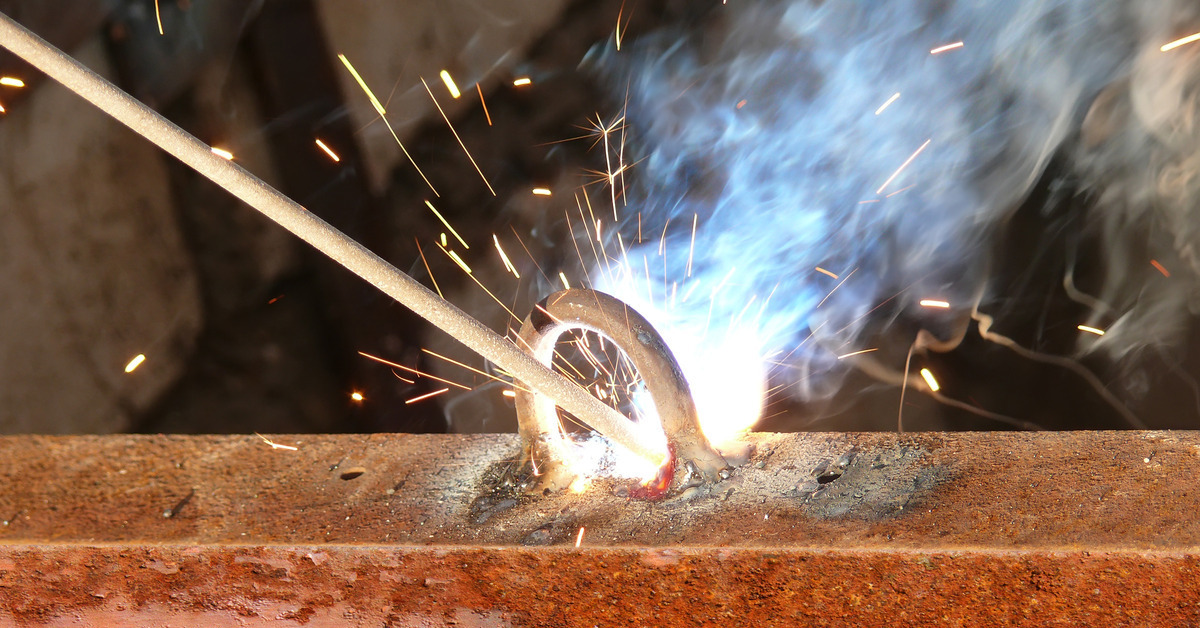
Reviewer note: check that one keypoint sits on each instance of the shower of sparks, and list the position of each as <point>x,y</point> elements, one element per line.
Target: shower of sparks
<point>411,370</point>
<point>383,116</point>
<point>563,277</point>
<point>10,81</point>
<point>825,272</point>
<point>1181,42</point>
<point>1090,330</point>
<point>850,355</point>
<point>933,385</point>
<point>903,166</point>
<point>221,152</point>
<point>484,105</point>
<point>521,82</point>
<point>579,537</point>
<point>158,17</point>
<point>449,81</point>
<point>888,103</point>
<point>940,49</point>
<point>1160,268</point>
<point>508,265</point>
<point>135,362</point>
<point>275,445</point>
<point>328,151</point>
<point>425,396</point>
<point>444,222</point>
<point>460,142</point>
<point>541,191</point>
<point>357,396</point>
<point>932,303</point>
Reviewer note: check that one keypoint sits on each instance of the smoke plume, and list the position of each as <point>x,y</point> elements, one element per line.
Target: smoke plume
<point>774,129</point>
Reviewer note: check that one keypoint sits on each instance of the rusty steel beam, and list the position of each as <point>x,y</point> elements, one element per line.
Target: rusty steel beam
<point>812,529</point>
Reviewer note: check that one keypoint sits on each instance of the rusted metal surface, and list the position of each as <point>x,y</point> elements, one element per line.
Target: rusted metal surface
<point>871,529</point>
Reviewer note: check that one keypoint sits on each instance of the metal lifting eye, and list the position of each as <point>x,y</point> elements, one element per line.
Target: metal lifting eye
<point>588,310</point>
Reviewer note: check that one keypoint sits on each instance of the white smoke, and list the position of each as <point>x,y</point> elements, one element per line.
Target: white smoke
<point>763,128</point>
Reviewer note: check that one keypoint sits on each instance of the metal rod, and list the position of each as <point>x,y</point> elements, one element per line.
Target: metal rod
<point>320,234</point>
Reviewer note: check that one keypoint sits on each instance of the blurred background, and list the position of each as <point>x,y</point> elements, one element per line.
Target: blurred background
<point>1056,191</point>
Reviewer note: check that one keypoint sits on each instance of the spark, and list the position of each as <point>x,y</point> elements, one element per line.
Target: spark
<point>508,393</point>
<point>928,376</point>
<point>903,166</point>
<point>484,104</point>
<point>850,355</point>
<point>426,263</point>
<point>447,223</point>
<point>275,445</point>
<point>328,150</point>
<point>618,32</point>
<point>442,235</point>
<point>835,288</point>
<point>541,191</point>
<point>934,303</point>
<point>2,110</point>
<point>579,537</point>
<point>579,485</point>
<point>1160,268</point>
<point>470,368</point>
<point>741,103</point>
<point>158,17</point>
<point>10,81</point>
<point>508,265</point>
<point>221,152</point>
<point>383,116</point>
<point>274,299</point>
<point>357,396</point>
<point>825,272</point>
<point>460,142</point>
<point>425,396</point>
<point>939,49</point>
<point>887,103</point>
<point>522,81</point>
<point>1090,330</point>
<point>904,189</point>
<point>873,200</point>
<point>449,81</point>
<point>563,277</point>
<point>135,362</point>
<point>692,248</point>
<point>363,84</point>
<point>1180,42</point>
<point>411,370</point>
<point>458,260</point>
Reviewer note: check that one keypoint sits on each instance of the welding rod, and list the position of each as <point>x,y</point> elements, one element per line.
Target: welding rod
<point>320,234</point>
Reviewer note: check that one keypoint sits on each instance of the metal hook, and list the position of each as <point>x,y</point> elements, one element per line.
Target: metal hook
<point>589,310</point>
